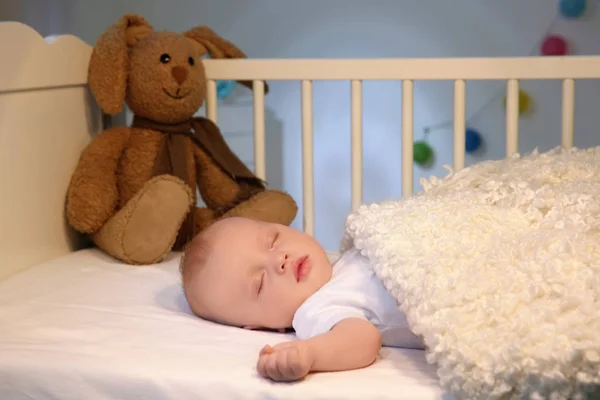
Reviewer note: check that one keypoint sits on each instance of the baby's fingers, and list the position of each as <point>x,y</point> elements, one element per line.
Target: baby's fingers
<point>268,368</point>
<point>281,363</point>
<point>261,365</point>
<point>273,366</point>
<point>266,350</point>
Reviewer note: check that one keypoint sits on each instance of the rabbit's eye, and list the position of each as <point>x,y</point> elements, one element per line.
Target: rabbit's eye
<point>191,60</point>
<point>165,58</point>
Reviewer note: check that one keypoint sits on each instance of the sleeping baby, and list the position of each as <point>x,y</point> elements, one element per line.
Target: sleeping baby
<point>258,275</point>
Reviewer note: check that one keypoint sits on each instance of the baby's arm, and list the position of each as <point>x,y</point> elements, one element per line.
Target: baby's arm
<point>351,344</point>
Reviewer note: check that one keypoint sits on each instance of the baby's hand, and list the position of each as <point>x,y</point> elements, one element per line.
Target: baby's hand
<point>287,361</point>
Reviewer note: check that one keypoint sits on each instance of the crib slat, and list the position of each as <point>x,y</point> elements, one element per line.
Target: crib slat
<point>357,179</point>
<point>258,89</point>
<point>568,111</point>
<point>307,158</point>
<point>407,138</point>
<point>512,117</point>
<point>459,124</point>
<point>211,100</point>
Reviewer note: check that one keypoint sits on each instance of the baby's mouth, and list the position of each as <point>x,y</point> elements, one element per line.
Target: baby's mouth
<point>301,268</point>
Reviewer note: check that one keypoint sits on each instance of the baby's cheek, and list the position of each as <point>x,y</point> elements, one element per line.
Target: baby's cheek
<point>275,299</point>
<point>278,302</point>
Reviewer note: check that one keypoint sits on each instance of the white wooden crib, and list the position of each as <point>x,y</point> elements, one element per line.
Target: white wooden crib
<point>76,324</point>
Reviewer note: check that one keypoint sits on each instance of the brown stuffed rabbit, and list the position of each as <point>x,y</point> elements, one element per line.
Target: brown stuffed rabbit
<point>134,190</point>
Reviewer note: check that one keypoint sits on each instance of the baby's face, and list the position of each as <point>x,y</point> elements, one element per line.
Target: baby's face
<point>257,273</point>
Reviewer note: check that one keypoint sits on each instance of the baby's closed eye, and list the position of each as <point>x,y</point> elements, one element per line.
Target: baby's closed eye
<point>260,282</point>
<point>274,238</point>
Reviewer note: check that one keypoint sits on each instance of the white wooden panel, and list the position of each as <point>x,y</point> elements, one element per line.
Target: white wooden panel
<point>574,67</point>
<point>29,62</point>
<point>47,117</point>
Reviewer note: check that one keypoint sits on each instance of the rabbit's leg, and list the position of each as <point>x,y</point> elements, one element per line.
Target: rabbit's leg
<point>228,199</point>
<point>146,228</point>
<point>268,206</point>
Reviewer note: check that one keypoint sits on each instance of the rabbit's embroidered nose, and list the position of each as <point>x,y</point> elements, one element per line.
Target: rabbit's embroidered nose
<point>180,74</point>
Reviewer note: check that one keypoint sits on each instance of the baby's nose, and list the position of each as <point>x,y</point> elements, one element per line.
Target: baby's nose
<point>282,263</point>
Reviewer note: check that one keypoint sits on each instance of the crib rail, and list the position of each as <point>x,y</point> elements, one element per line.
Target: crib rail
<point>458,70</point>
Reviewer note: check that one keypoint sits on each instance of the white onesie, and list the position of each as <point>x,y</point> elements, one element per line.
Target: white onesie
<point>354,291</point>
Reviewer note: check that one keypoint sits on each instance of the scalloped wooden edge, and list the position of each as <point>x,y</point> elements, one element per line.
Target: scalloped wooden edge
<point>30,61</point>
<point>47,117</point>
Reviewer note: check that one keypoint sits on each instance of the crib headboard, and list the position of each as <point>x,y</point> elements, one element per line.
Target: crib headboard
<point>47,116</point>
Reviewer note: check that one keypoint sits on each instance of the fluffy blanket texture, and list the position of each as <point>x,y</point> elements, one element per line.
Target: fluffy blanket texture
<point>497,267</point>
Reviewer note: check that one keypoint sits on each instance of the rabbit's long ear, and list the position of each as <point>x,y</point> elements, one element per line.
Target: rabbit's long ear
<point>213,43</point>
<point>109,62</point>
<point>209,42</point>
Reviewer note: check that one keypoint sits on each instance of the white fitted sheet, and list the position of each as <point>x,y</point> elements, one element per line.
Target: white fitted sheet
<point>87,327</point>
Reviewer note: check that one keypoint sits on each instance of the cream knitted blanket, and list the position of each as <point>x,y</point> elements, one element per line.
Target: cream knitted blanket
<point>497,267</point>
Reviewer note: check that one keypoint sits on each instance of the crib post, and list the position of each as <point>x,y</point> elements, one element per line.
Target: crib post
<point>407,138</point>
<point>356,173</point>
<point>307,158</point>
<point>568,111</point>
<point>211,100</point>
<point>512,117</point>
<point>459,124</point>
<point>258,89</point>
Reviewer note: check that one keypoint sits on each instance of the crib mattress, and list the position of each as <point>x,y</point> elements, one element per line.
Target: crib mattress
<point>87,327</point>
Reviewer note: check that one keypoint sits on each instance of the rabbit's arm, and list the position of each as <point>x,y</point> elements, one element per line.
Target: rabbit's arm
<point>92,196</point>
<point>217,189</point>
<point>221,185</point>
